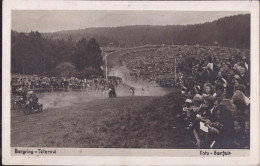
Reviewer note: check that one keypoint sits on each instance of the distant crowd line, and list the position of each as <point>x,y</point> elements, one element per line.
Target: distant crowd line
<point>43,84</point>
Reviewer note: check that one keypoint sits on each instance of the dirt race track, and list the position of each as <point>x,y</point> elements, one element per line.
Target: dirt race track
<point>101,122</point>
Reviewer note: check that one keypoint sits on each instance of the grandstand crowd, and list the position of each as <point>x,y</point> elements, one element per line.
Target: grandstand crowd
<point>158,65</point>
<point>215,84</point>
<point>152,65</point>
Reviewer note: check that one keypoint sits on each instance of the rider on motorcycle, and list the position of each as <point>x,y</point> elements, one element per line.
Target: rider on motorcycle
<point>33,100</point>
<point>111,90</point>
<point>132,91</point>
<point>112,87</point>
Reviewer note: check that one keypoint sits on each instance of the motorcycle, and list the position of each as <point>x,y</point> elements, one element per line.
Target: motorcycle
<point>111,93</point>
<point>31,108</point>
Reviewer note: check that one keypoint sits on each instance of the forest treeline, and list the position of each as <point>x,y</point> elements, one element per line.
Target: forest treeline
<point>232,31</point>
<point>34,54</point>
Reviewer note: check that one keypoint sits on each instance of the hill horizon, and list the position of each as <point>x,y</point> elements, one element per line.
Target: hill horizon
<point>133,25</point>
<point>223,31</point>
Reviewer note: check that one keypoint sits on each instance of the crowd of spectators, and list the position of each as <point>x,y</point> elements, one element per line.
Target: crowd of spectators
<point>157,65</point>
<point>152,65</point>
<point>40,83</point>
<point>216,91</point>
<point>215,84</point>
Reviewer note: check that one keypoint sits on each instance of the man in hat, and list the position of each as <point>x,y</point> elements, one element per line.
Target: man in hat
<point>244,63</point>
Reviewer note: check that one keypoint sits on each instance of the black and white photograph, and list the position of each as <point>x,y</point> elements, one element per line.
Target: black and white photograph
<point>130,79</point>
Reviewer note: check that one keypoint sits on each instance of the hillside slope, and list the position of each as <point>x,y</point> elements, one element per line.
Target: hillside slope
<point>123,122</point>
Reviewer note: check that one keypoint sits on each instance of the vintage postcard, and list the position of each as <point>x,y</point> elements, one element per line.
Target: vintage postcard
<point>130,83</point>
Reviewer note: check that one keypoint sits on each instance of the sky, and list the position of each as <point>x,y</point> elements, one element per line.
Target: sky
<point>57,20</point>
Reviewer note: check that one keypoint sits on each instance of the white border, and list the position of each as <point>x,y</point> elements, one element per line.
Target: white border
<point>252,6</point>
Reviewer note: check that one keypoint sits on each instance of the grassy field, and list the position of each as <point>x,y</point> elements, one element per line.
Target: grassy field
<point>99,122</point>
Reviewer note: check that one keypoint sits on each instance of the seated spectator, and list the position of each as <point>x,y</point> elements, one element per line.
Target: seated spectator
<point>223,127</point>
<point>207,90</point>
<point>219,92</point>
<point>240,101</point>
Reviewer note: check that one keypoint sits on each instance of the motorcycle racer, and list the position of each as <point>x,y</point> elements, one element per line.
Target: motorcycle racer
<point>33,100</point>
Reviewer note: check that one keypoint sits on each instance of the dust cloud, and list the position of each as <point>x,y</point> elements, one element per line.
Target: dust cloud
<point>142,87</point>
<point>64,99</point>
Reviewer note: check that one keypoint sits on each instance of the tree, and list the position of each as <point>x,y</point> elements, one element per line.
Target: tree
<point>88,54</point>
<point>94,53</point>
<point>32,53</point>
<point>65,69</point>
<point>88,73</point>
<point>81,58</point>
